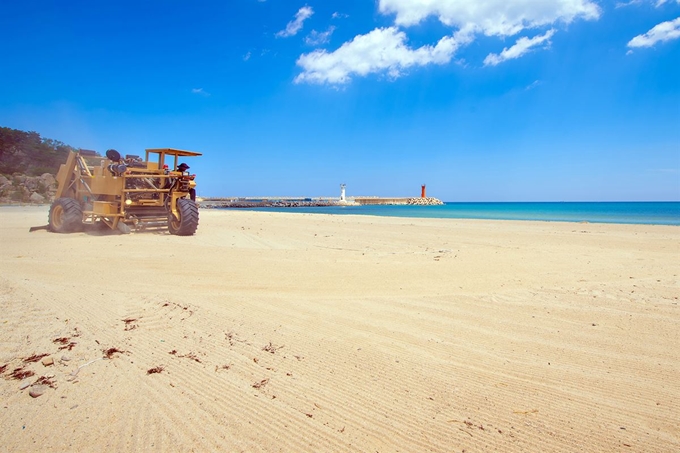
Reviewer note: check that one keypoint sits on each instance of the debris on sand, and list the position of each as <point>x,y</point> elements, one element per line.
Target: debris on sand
<point>46,381</point>
<point>262,383</point>
<point>34,358</point>
<point>129,323</point>
<point>270,348</point>
<point>530,411</point>
<point>65,342</point>
<point>68,346</point>
<point>190,355</point>
<point>37,390</point>
<point>108,353</point>
<point>20,374</point>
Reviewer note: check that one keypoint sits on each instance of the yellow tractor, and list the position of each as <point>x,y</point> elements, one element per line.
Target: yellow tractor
<point>126,193</point>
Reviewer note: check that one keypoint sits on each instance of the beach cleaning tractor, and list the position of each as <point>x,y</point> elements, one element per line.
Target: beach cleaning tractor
<point>126,193</point>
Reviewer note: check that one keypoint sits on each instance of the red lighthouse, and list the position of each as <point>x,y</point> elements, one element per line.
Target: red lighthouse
<point>422,191</point>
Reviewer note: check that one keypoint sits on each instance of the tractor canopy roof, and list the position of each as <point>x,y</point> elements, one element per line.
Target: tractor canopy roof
<point>173,152</point>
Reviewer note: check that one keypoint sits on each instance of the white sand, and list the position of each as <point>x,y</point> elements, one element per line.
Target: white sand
<point>312,333</point>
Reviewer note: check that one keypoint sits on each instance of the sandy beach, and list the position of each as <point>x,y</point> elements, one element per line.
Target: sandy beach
<point>314,333</point>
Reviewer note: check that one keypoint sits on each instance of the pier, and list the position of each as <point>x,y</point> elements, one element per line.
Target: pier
<point>297,202</point>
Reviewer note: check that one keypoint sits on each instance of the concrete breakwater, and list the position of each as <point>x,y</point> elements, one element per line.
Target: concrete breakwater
<point>212,203</point>
<point>415,201</point>
<point>428,201</point>
<point>313,202</point>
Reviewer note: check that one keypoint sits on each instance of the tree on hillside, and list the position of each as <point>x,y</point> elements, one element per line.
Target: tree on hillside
<point>28,153</point>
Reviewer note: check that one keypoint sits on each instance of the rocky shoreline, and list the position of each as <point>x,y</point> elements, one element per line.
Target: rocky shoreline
<point>21,189</point>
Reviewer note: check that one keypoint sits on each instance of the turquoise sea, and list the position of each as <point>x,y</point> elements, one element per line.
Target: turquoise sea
<point>656,213</point>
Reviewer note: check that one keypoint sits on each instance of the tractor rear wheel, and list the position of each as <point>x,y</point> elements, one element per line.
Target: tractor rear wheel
<point>188,218</point>
<point>66,216</point>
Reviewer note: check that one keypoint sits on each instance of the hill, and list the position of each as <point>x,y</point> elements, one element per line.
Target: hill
<point>28,165</point>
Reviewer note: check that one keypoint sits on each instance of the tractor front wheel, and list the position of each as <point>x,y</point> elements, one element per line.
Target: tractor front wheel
<point>188,218</point>
<point>66,216</point>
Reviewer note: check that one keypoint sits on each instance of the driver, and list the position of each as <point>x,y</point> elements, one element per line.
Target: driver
<point>183,168</point>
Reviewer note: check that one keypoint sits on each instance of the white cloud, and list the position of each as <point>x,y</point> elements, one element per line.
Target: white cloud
<point>665,31</point>
<point>629,3</point>
<point>661,2</point>
<point>247,56</point>
<point>381,50</point>
<point>295,25</point>
<point>522,46</point>
<point>385,49</point>
<point>316,38</point>
<point>491,17</point>
<point>200,91</point>
<point>533,85</point>
<point>657,3</point>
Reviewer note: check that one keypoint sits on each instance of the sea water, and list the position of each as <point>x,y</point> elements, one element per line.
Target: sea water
<point>655,213</point>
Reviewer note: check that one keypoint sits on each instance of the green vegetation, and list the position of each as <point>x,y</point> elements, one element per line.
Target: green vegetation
<point>28,164</point>
<point>29,154</point>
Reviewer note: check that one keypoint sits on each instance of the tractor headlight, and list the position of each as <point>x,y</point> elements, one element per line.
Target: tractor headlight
<point>128,202</point>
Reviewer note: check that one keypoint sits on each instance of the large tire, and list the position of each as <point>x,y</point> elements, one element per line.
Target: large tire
<point>66,216</point>
<point>188,218</point>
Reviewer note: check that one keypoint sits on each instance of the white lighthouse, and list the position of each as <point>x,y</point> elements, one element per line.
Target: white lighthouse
<point>342,193</point>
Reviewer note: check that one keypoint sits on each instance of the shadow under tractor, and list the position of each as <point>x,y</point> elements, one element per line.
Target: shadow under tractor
<point>126,193</point>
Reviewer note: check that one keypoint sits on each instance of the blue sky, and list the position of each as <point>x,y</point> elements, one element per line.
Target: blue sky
<point>496,100</point>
